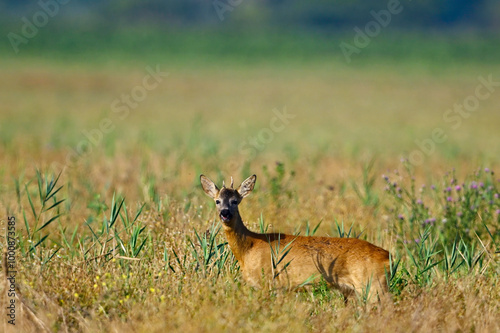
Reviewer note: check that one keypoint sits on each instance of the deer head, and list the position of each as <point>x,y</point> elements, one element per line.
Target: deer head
<point>228,199</point>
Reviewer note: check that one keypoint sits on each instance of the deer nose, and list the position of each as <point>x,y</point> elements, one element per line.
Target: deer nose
<point>225,214</point>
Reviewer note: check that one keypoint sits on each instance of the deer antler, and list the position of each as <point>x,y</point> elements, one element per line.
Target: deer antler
<point>232,182</point>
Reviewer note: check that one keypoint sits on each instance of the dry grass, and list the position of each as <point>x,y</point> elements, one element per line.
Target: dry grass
<point>196,121</point>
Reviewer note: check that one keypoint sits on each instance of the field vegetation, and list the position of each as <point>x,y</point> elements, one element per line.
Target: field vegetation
<point>113,230</point>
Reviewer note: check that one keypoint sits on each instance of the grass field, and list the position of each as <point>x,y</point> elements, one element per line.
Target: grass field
<point>114,233</point>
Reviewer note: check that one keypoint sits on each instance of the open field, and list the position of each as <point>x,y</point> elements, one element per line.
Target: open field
<point>124,245</point>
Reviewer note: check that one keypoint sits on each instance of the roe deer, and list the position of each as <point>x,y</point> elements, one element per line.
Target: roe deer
<point>347,264</point>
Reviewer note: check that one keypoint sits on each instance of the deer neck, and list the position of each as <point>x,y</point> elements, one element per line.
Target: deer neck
<point>239,238</point>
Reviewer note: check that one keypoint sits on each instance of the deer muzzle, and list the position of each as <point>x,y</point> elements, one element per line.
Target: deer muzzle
<point>225,215</point>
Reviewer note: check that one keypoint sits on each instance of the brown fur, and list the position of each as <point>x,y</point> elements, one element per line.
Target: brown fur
<point>347,264</point>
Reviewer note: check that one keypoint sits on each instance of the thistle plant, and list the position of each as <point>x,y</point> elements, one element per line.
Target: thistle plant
<point>451,207</point>
<point>446,227</point>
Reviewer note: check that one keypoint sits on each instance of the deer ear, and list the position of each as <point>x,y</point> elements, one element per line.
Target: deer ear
<point>247,186</point>
<point>209,187</point>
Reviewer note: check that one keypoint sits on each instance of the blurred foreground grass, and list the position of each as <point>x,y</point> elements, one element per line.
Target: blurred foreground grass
<point>124,244</point>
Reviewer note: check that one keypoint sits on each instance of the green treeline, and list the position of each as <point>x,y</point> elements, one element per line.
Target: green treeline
<point>295,14</point>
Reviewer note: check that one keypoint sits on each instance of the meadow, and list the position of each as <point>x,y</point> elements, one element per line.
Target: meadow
<point>101,162</point>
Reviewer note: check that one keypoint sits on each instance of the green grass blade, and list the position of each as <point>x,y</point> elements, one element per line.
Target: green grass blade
<point>48,222</point>
<point>39,242</point>
<point>31,203</point>
<point>26,224</point>
<point>55,204</point>
<point>51,256</point>
<point>53,193</point>
<point>138,250</point>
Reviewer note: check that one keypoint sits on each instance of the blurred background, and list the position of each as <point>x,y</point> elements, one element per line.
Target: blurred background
<point>362,78</point>
<point>315,15</point>
<point>246,29</point>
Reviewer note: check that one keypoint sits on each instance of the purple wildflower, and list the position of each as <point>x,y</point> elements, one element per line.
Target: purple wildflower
<point>401,217</point>
<point>419,202</point>
<point>448,189</point>
<point>433,187</point>
<point>458,188</point>
<point>497,211</point>
<point>430,221</point>
<point>496,195</point>
<point>487,170</point>
<point>460,214</point>
<point>449,199</point>
<point>473,185</point>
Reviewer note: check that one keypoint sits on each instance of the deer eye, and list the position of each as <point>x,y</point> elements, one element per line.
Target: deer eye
<point>234,202</point>
<point>217,202</point>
